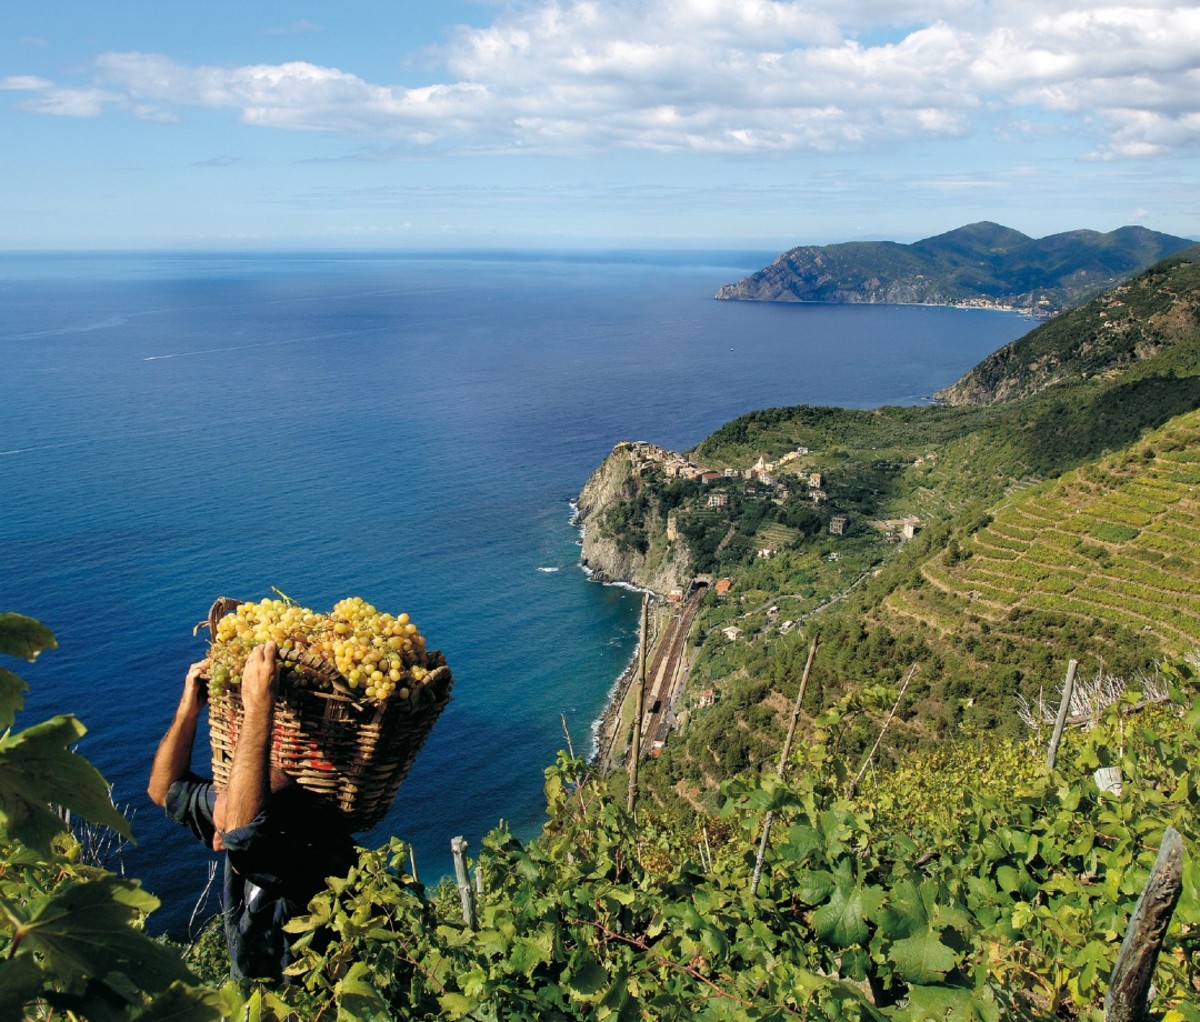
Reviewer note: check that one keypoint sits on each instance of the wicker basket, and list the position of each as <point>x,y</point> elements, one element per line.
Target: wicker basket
<point>353,753</point>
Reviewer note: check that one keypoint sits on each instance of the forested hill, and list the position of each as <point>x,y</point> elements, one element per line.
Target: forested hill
<point>1138,320</point>
<point>982,264</point>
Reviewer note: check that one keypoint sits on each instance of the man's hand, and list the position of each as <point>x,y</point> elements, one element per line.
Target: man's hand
<point>173,758</point>
<point>260,679</point>
<point>195,688</point>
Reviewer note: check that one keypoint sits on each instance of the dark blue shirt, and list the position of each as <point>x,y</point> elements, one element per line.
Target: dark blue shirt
<point>273,866</point>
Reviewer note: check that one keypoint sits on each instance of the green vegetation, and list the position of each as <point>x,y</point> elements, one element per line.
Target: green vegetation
<point>71,944</point>
<point>1148,316</point>
<point>1007,902</point>
<point>1103,541</point>
<point>971,885</point>
<point>981,263</point>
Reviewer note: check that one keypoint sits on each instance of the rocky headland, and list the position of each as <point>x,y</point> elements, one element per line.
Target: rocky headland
<point>614,549</point>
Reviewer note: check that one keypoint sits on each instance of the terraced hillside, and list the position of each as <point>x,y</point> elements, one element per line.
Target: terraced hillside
<point>1112,543</point>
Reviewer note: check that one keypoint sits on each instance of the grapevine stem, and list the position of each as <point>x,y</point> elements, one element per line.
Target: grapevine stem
<point>642,946</point>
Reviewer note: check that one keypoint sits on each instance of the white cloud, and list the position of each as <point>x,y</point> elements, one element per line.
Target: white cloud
<point>88,102</point>
<point>737,76</point>
<point>27,83</point>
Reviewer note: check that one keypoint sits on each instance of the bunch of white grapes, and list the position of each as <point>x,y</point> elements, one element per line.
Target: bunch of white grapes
<point>379,655</point>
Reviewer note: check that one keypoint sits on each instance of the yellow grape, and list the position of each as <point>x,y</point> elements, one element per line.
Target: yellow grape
<point>372,651</point>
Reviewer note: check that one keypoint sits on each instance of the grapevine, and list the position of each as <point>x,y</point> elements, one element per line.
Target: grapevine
<point>377,654</point>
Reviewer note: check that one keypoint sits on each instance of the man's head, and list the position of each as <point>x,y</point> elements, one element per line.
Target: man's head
<point>278,781</point>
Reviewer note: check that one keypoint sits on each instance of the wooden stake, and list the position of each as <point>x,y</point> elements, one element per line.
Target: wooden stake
<point>577,779</point>
<point>458,848</point>
<point>1129,987</point>
<point>635,745</point>
<point>787,742</point>
<point>1063,706</point>
<point>784,756</point>
<point>882,731</point>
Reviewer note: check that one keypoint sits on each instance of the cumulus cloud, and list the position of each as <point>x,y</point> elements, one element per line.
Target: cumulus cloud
<point>735,76</point>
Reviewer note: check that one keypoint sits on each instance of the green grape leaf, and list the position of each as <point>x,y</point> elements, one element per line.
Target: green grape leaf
<point>950,1004</point>
<point>492,942</point>
<point>12,697</point>
<point>38,769</point>
<point>905,913</point>
<point>456,1006</point>
<point>585,977</point>
<point>801,842</point>
<point>23,637</point>
<point>357,996</point>
<point>85,930</point>
<point>715,942</point>
<point>811,886</point>
<point>1010,879</point>
<point>527,953</point>
<point>843,919</point>
<point>616,998</point>
<point>20,981</point>
<point>922,958</point>
<point>180,1003</point>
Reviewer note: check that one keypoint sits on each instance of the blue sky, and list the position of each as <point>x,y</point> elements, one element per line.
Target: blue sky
<point>565,123</point>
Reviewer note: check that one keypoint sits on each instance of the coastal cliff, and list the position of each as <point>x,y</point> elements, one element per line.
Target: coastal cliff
<point>624,537</point>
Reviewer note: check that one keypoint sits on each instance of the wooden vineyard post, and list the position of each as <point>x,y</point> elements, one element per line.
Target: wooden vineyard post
<point>882,731</point>
<point>1129,986</point>
<point>458,848</point>
<point>783,759</point>
<point>635,745</point>
<point>1063,707</point>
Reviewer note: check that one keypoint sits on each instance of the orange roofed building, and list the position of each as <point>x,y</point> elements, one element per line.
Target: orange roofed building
<point>723,586</point>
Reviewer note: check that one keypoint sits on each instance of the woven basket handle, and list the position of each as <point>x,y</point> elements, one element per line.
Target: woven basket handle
<point>222,605</point>
<point>318,666</point>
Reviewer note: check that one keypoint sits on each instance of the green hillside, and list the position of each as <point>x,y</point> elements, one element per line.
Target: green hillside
<point>1131,323</point>
<point>979,264</point>
<point>1110,546</point>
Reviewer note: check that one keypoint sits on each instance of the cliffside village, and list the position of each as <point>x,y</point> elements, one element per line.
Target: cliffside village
<point>647,457</point>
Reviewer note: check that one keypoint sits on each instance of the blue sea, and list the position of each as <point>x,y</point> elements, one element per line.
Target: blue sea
<point>409,428</point>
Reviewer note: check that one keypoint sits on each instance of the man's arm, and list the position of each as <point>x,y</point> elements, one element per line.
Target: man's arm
<point>174,756</point>
<point>249,775</point>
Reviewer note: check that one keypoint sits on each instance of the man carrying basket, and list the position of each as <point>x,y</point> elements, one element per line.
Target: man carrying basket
<point>280,841</point>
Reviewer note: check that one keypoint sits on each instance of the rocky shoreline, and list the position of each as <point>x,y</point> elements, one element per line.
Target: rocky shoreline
<point>606,728</point>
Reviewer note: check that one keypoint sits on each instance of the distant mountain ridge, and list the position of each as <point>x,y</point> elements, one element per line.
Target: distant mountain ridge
<point>983,264</point>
